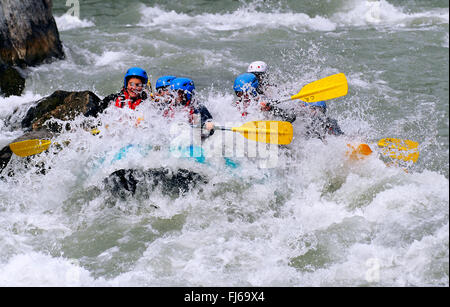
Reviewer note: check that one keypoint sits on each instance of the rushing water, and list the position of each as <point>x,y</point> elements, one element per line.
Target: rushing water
<point>316,219</point>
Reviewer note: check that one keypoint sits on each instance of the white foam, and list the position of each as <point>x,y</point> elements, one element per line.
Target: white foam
<point>355,13</point>
<point>382,13</point>
<point>240,19</point>
<point>109,57</point>
<point>69,22</point>
<point>445,41</point>
<point>38,270</point>
<point>8,104</point>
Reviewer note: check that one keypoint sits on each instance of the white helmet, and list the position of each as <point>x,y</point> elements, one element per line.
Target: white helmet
<point>258,66</point>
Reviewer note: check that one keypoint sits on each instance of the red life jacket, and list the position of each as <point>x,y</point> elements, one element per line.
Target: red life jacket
<point>170,112</point>
<point>242,106</point>
<point>124,98</point>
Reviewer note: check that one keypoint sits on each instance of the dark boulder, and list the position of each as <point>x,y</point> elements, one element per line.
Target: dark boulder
<point>12,83</point>
<point>28,33</point>
<point>5,156</point>
<point>64,106</point>
<point>127,183</point>
<point>60,105</point>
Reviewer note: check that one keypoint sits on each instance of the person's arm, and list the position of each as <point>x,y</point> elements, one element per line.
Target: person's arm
<point>320,126</point>
<point>109,100</point>
<point>289,117</point>
<point>205,120</point>
<point>278,112</point>
<point>94,108</point>
<point>333,127</point>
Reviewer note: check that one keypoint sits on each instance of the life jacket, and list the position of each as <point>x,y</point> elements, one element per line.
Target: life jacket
<point>170,111</point>
<point>124,98</point>
<point>242,106</point>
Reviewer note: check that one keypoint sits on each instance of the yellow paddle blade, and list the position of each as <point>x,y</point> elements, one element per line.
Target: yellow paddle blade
<point>324,89</point>
<point>29,147</point>
<point>266,131</point>
<point>405,150</point>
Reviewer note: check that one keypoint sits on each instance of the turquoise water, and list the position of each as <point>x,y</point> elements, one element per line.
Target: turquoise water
<point>314,221</point>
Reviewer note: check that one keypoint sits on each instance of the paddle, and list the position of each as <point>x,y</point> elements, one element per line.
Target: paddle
<point>324,89</point>
<point>273,132</point>
<point>265,131</point>
<point>399,149</point>
<point>29,147</point>
<point>405,150</point>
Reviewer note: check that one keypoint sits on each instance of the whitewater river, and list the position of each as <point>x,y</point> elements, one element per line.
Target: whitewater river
<point>306,216</point>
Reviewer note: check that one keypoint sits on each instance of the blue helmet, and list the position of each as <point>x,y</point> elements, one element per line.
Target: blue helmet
<point>246,83</point>
<point>184,84</point>
<point>320,104</point>
<point>135,72</point>
<point>164,81</point>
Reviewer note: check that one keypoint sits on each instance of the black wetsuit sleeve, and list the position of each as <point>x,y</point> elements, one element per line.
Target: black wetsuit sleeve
<point>282,114</point>
<point>95,107</point>
<point>108,100</point>
<point>321,126</point>
<point>333,127</point>
<point>205,116</point>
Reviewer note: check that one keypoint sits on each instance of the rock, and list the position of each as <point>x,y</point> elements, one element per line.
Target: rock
<point>38,134</point>
<point>64,106</point>
<point>28,37</point>
<point>5,156</point>
<point>28,33</point>
<point>11,81</point>
<point>125,183</point>
<point>60,105</point>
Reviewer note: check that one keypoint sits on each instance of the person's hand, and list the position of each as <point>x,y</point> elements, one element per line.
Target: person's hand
<point>265,106</point>
<point>138,121</point>
<point>209,126</point>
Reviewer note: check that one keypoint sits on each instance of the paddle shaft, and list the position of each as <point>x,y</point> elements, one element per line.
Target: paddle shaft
<point>284,100</point>
<point>280,101</point>
<point>223,128</point>
<point>248,130</point>
<point>239,129</point>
